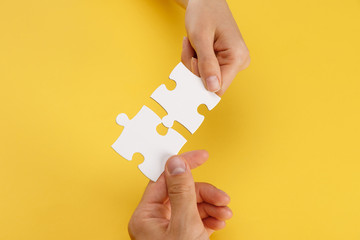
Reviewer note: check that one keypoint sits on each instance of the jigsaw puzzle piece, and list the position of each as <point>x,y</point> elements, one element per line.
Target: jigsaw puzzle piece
<point>181,103</point>
<point>140,135</point>
<point>156,157</point>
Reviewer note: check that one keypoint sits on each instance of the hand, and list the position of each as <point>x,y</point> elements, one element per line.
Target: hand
<point>215,49</point>
<point>175,207</point>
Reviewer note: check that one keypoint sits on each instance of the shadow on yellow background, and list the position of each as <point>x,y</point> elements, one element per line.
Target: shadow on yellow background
<point>283,142</point>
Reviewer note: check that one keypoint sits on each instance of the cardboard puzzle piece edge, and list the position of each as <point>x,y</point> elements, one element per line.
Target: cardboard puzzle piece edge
<point>140,135</point>
<point>181,103</point>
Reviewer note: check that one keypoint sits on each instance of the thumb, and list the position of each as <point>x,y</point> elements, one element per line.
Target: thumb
<point>209,68</point>
<point>181,191</point>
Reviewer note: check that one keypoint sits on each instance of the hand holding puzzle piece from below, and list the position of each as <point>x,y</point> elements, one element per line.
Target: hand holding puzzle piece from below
<point>140,135</point>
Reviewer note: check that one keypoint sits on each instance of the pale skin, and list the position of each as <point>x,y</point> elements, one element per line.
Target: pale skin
<point>217,51</point>
<point>175,207</point>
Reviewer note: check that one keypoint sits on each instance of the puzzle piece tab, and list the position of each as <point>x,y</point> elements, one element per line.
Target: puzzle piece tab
<point>181,103</point>
<point>140,135</point>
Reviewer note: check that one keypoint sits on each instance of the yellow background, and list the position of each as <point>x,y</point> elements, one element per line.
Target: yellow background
<point>284,141</point>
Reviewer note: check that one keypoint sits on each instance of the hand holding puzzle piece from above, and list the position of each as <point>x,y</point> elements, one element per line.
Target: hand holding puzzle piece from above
<point>140,135</point>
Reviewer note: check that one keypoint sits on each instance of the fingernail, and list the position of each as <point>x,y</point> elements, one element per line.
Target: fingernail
<point>212,84</point>
<point>176,165</point>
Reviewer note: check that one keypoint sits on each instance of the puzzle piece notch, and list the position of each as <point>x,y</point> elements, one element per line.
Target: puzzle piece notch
<point>122,119</point>
<point>181,103</point>
<point>140,135</point>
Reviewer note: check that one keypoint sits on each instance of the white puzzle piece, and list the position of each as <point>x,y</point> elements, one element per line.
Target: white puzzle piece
<point>140,135</point>
<point>181,103</point>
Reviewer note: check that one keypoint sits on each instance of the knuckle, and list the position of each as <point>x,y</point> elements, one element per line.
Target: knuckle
<point>179,189</point>
<point>208,63</point>
<point>197,35</point>
<point>247,63</point>
<point>241,56</point>
<point>132,227</point>
<point>136,220</point>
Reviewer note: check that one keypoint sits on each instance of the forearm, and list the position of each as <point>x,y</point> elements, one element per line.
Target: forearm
<point>182,3</point>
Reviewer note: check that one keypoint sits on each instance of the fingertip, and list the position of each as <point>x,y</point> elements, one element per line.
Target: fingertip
<point>176,166</point>
<point>228,213</point>
<point>222,224</point>
<point>205,154</point>
<point>214,223</point>
<point>224,198</point>
<point>213,83</point>
<point>202,154</point>
<point>220,213</point>
<point>195,158</point>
